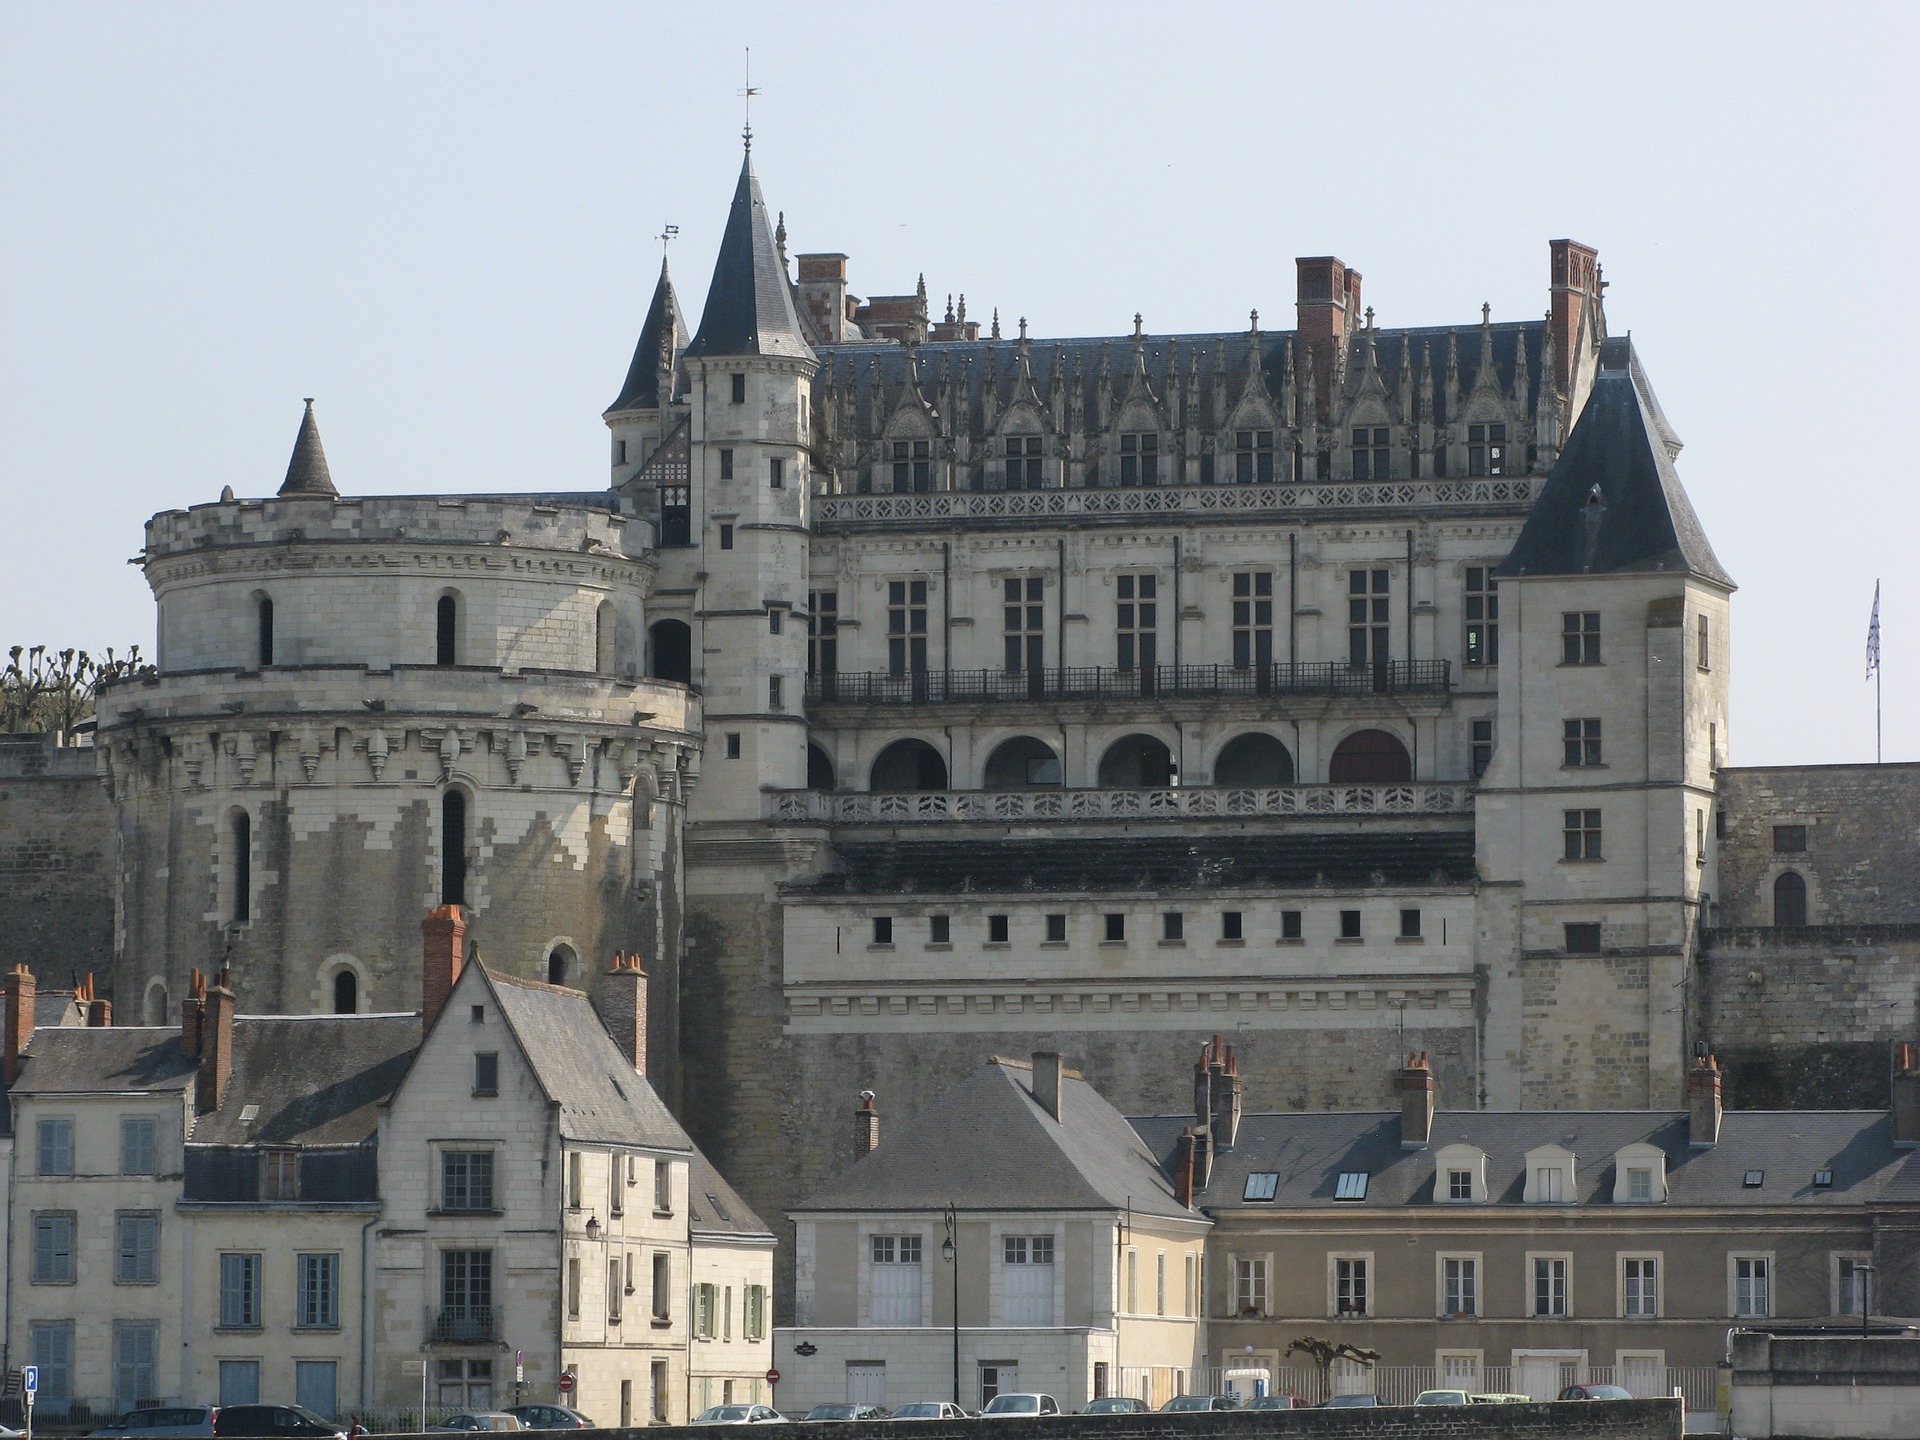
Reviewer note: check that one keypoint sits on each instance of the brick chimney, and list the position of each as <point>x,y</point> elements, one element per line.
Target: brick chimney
<point>1225,1090</point>
<point>866,1127</point>
<point>1906,1094</point>
<point>97,1013</point>
<point>1185,1163</point>
<point>622,1003</point>
<point>823,293</point>
<point>193,1015</point>
<point>443,937</point>
<point>1703,1102</point>
<point>1327,303</point>
<point>1048,1080</point>
<point>1415,1084</point>
<point>22,993</point>
<point>1575,286</point>
<point>216,1051</point>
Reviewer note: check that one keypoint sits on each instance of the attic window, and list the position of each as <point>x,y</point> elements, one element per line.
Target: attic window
<point>1261,1185</point>
<point>1823,1179</point>
<point>718,1208</point>
<point>1753,1179</point>
<point>478,1015</point>
<point>1352,1185</point>
<point>249,1114</point>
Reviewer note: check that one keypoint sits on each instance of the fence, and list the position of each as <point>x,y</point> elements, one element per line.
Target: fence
<point>845,807</point>
<point>1402,1384</point>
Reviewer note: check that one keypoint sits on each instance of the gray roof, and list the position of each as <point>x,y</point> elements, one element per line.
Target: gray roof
<point>750,304</point>
<point>987,1144</point>
<point>1308,1152</point>
<point>310,1079</point>
<point>1613,502</point>
<point>600,1096</point>
<point>715,1208</point>
<point>56,1008</point>
<point>307,472</point>
<point>81,1060</point>
<point>641,390</point>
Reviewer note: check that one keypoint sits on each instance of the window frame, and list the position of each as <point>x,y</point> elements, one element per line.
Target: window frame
<point>1350,1285</point>
<point>1537,1259</point>
<point>1580,637</point>
<point>464,1155</point>
<point>240,1293</point>
<point>1737,1258</point>
<point>128,1223</point>
<point>1480,613</point>
<point>1467,1283</point>
<point>53,1147</point>
<point>1582,833</point>
<point>1626,1298</point>
<point>130,1156</point>
<point>53,1272</point>
<point>316,1276</point>
<point>1252,1293</point>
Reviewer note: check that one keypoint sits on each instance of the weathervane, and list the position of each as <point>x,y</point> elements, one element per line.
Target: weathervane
<point>668,234</point>
<point>747,94</point>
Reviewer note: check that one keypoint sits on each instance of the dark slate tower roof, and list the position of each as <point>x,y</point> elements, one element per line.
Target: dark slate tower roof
<point>642,388</point>
<point>307,471</point>
<point>1613,503</point>
<point>749,306</point>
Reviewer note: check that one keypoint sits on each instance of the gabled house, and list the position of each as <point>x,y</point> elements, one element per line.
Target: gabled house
<point>1015,1235</point>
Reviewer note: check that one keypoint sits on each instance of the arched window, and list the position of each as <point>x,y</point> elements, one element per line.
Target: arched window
<point>446,631</point>
<point>1789,900</point>
<point>672,651</point>
<point>1370,757</point>
<point>241,834</point>
<point>1253,761</point>
<point>559,965</point>
<point>1137,762</point>
<point>605,631</point>
<point>453,848</point>
<point>909,765</point>
<point>346,993</point>
<point>1022,763</point>
<point>158,1004</point>
<point>265,611</point>
<point>819,769</point>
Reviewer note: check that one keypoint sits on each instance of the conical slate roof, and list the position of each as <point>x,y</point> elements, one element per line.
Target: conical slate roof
<point>307,471</point>
<point>749,305</point>
<point>1613,503</point>
<point>642,388</point>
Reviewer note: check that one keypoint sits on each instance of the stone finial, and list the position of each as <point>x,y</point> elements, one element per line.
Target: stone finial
<point>995,333</point>
<point>1023,328</point>
<point>1486,313</point>
<point>307,472</point>
<point>1253,322</point>
<point>1138,332</point>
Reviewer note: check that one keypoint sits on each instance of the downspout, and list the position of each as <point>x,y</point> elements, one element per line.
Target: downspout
<point>366,1306</point>
<point>1176,649</point>
<point>1409,606</point>
<point>946,620</point>
<point>1293,609</point>
<point>1060,611</point>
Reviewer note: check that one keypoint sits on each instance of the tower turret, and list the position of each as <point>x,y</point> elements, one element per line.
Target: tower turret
<point>641,416</point>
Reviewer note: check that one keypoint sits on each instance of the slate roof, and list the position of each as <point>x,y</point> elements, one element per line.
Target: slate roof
<point>56,1008</point>
<point>641,389</point>
<point>82,1060</point>
<point>987,1144</point>
<point>749,307</point>
<point>307,472</point>
<point>1309,1152</point>
<point>317,1080</point>
<point>600,1097</point>
<point>1158,862</point>
<point>715,1208</point>
<point>1613,502</point>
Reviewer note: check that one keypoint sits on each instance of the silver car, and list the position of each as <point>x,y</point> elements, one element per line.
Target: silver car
<point>162,1422</point>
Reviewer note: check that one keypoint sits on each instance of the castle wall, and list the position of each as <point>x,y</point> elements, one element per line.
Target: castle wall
<point>56,861</point>
<point>1862,858</point>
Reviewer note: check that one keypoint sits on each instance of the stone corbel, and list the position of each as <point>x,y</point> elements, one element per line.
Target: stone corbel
<point>244,753</point>
<point>311,744</point>
<point>514,750</point>
<point>452,745</point>
<point>573,750</point>
<point>376,745</point>
<point>193,760</point>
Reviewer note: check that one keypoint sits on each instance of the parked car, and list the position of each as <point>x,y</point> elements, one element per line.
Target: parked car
<point>550,1417</point>
<point>1596,1392</point>
<point>738,1415</point>
<point>1115,1405</point>
<point>1181,1404</point>
<point>1441,1397</point>
<point>930,1410</point>
<point>1341,1402</point>
<point>1501,1399</point>
<point>478,1420</point>
<point>1027,1404</point>
<point>1275,1402</point>
<point>846,1412</point>
<point>273,1422</point>
<point>162,1421</point>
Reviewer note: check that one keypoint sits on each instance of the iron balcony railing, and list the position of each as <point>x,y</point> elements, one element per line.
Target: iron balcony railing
<point>1100,682</point>
<point>463,1325</point>
<point>869,807</point>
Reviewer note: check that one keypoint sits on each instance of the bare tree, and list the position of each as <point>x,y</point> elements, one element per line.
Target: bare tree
<point>1324,1352</point>
<point>53,691</point>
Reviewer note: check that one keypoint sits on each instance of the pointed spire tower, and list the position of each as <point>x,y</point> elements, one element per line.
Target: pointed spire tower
<point>307,472</point>
<point>749,304</point>
<point>663,334</point>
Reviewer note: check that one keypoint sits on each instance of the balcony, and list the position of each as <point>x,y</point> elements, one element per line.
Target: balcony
<point>817,807</point>
<point>463,1325</point>
<point>1099,682</point>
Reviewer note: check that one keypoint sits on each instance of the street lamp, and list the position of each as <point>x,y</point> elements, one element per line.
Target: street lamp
<point>1863,1281</point>
<point>949,1252</point>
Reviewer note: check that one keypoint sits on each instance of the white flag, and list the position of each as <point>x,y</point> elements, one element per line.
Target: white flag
<point>1873,634</point>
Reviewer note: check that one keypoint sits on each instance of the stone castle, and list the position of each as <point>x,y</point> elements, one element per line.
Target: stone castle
<point>912,695</point>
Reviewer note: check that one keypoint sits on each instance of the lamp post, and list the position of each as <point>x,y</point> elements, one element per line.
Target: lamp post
<point>1863,1278</point>
<point>949,1251</point>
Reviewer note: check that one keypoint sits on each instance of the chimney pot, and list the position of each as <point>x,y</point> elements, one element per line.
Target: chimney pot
<point>1048,1080</point>
<point>1703,1103</point>
<point>442,952</point>
<point>1906,1095</point>
<point>866,1126</point>
<point>22,993</point>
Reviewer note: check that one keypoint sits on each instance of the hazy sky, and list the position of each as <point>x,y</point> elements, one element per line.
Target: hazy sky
<point>438,219</point>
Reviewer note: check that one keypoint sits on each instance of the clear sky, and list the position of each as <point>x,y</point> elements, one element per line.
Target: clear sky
<point>439,220</point>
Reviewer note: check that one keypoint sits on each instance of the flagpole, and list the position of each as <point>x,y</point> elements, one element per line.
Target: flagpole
<point>1873,669</point>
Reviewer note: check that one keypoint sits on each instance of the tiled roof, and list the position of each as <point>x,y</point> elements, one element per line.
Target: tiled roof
<point>1149,862</point>
<point>1309,1152</point>
<point>715,1208</point>
<point>79,1060</point>
<point>749,307</point>
<point>987,1144</point>
<point>309,1079</point>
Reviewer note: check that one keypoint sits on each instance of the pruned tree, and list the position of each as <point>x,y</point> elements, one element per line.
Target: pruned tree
<point>53,691</point>
<point>1324,1352</point>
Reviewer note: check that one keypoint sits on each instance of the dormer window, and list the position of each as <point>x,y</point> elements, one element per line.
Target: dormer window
<point>1459,1185</point>
<point>1486,449</point>
<point>1460,1175</point>
<point>1550,1176</point>
<point>1640,1175</point>
<point>1024,462</point>
<point>1140,459</point>
<point>1639,1183</point>
<point>912,466</point>
<point>1253,456</point>
<point>1372,459</point>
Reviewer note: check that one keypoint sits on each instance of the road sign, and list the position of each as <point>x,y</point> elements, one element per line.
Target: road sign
<point>30,1379</point>
<point>413,1367</point>
<point>519,1367</point>
<point>773,1377</point>
<point>566,1382</point>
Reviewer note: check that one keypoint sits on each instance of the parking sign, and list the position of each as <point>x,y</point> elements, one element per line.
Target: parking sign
<point>30,1379</point>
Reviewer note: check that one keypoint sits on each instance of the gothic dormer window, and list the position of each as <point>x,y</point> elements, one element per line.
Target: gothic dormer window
<point>1140,458</point>
<point>1025,464</point>
<point>1253,456</point>
<point>1486,449</point>
<point>912,466</point>
<point>1372,453</point>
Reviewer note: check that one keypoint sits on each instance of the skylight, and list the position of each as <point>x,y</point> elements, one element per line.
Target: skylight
<point>1823,1179</point>
<point>1352,1185</point>
<point>1261,1185</point>
<point>1753,1179</point>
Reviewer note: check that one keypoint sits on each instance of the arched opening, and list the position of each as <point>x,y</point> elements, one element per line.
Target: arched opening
<point>605,630</point>
<point>1137,762</point>
<point>1253,761</point>
<point>240,832</point>
<point>1022,763</point>
<point>446,631</point>
<point>672,651</point>
<point>159,1004</point>
<point>453,848</point>
<point>560,965</point>
<point>1370,757</point>
<point>909,765</point>
<point>264,611</point>
<point>1789,900</point>
<point>346,992</point>
<point>819,769</point>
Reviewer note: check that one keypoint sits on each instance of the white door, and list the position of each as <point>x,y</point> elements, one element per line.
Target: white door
<point>1350,1377</point>
<point>1544,1376</point>
<point>1000,1378</point>
<point>1641,1374</point>
<point>866,1382</point>
<point>1460,1372</point>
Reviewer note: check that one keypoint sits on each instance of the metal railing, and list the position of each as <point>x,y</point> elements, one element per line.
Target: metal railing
<point>866,807</point>
<point>463,1325</point>
<point>1101,682</point>
<point>1698,1385</point>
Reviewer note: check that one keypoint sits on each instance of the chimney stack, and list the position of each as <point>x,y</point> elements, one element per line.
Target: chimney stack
<point>443,937</point>
<point>1415,1084</point>
<point>1575,286</point>
<point>193,1015</point>
<point>1184,1163</point>
<point>22,993</point>
<point>1048,1080</point>
<point>1224,1087</point>
<point>622,1003</point>
<point>97,1013</point>
<point>1703,1102</point>
<point>1327,302</point>
<point>1906,1094</point>
<point>216,1050</point>
<point>866,1127</point>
